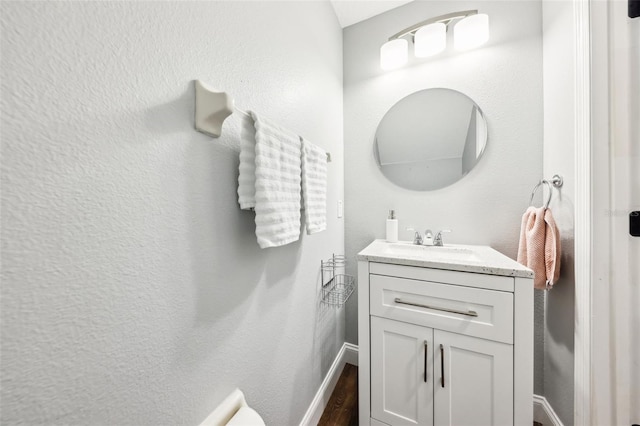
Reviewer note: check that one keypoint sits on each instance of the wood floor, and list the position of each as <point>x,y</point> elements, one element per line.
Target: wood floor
<point>342,408</point>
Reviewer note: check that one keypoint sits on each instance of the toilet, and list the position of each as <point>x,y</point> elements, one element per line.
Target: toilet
<point>234,411</point>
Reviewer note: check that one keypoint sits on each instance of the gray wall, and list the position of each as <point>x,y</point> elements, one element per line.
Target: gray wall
<point>559,139</point>
<point>133,289</point>
<point>504,78</point>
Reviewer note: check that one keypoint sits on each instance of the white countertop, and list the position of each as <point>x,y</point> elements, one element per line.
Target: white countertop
<point>477,259</point>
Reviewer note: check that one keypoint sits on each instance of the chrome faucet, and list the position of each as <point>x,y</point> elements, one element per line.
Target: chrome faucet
<point>428,237</point>
<point>437,240</point>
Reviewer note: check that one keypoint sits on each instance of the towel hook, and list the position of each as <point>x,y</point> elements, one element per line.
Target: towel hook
<point>533,193</point>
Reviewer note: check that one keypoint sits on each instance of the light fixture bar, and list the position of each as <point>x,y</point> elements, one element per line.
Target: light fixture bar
<point>442,18</point>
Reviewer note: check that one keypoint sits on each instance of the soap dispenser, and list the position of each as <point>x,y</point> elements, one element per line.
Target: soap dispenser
<point>392,227</point>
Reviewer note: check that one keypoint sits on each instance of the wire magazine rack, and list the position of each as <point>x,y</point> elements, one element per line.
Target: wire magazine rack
<point>336,285</point>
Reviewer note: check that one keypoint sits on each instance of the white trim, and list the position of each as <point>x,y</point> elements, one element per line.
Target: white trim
<point>347,354</point>
<point>364,359</point>
<point>522,351</point>
<point>582,106</point>
<point>543,412</point>
<point>350,353</point>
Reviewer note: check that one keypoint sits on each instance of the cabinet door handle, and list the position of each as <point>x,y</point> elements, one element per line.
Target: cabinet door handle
<point>442,364</point>
<point>426,350</point>
<point>453,311</point>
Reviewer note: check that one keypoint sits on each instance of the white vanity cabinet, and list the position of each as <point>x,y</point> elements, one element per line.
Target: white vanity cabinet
<point>401,372</point>
<point>444,346</point>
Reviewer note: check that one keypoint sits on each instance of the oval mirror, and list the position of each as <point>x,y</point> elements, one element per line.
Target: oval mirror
<point>430,139</point>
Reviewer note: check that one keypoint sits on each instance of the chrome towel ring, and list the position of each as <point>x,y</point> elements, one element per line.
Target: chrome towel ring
<point>556,181</point>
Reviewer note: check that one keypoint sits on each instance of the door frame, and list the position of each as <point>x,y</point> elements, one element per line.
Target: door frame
<point>583,211</point>
<point>594,387</point>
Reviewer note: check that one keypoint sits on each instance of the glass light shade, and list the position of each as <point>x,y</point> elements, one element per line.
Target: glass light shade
<point>471,32</point>
<point>394,54</point>
<point>430,40</point>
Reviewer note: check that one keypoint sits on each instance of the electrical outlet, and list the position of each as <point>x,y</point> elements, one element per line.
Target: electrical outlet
<point>340,209</point>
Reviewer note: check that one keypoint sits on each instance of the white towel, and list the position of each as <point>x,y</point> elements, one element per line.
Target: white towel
<point>314,186</point>
<point>278,169</point>
<point>247,168</point>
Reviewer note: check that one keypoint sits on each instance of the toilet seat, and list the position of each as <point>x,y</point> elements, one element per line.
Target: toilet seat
<point>234,411</point>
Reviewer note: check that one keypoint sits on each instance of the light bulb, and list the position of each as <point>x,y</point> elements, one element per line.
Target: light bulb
<point>471,32</point>
<point>394,54</point>
<point>430,40</point>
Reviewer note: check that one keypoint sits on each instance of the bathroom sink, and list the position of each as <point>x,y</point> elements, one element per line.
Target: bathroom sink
<point>451,253</point>
<point>453,257</point>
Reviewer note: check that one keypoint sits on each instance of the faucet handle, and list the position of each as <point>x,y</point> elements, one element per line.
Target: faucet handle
<point>437,240</point>
<point>417,238</point>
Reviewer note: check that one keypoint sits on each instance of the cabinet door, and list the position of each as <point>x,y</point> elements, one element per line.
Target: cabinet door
<point>401,373</point>
<point>474,381</point>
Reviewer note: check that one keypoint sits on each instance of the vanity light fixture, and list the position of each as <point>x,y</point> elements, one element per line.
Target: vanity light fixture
<point>430,37</point>
<point>393,54</point>
<point>471,32</point>
<point>430,40</point>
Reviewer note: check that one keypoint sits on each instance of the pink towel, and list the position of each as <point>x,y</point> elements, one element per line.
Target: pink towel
<point>539,247</point>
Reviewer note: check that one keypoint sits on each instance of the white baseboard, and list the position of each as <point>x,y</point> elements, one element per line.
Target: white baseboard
<point>348,354</point>
<point>543,412</point>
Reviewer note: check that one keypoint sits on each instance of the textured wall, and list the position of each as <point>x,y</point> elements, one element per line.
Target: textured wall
<point>559,140</point>
<point>504,78</point>
<point>133,289</point>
